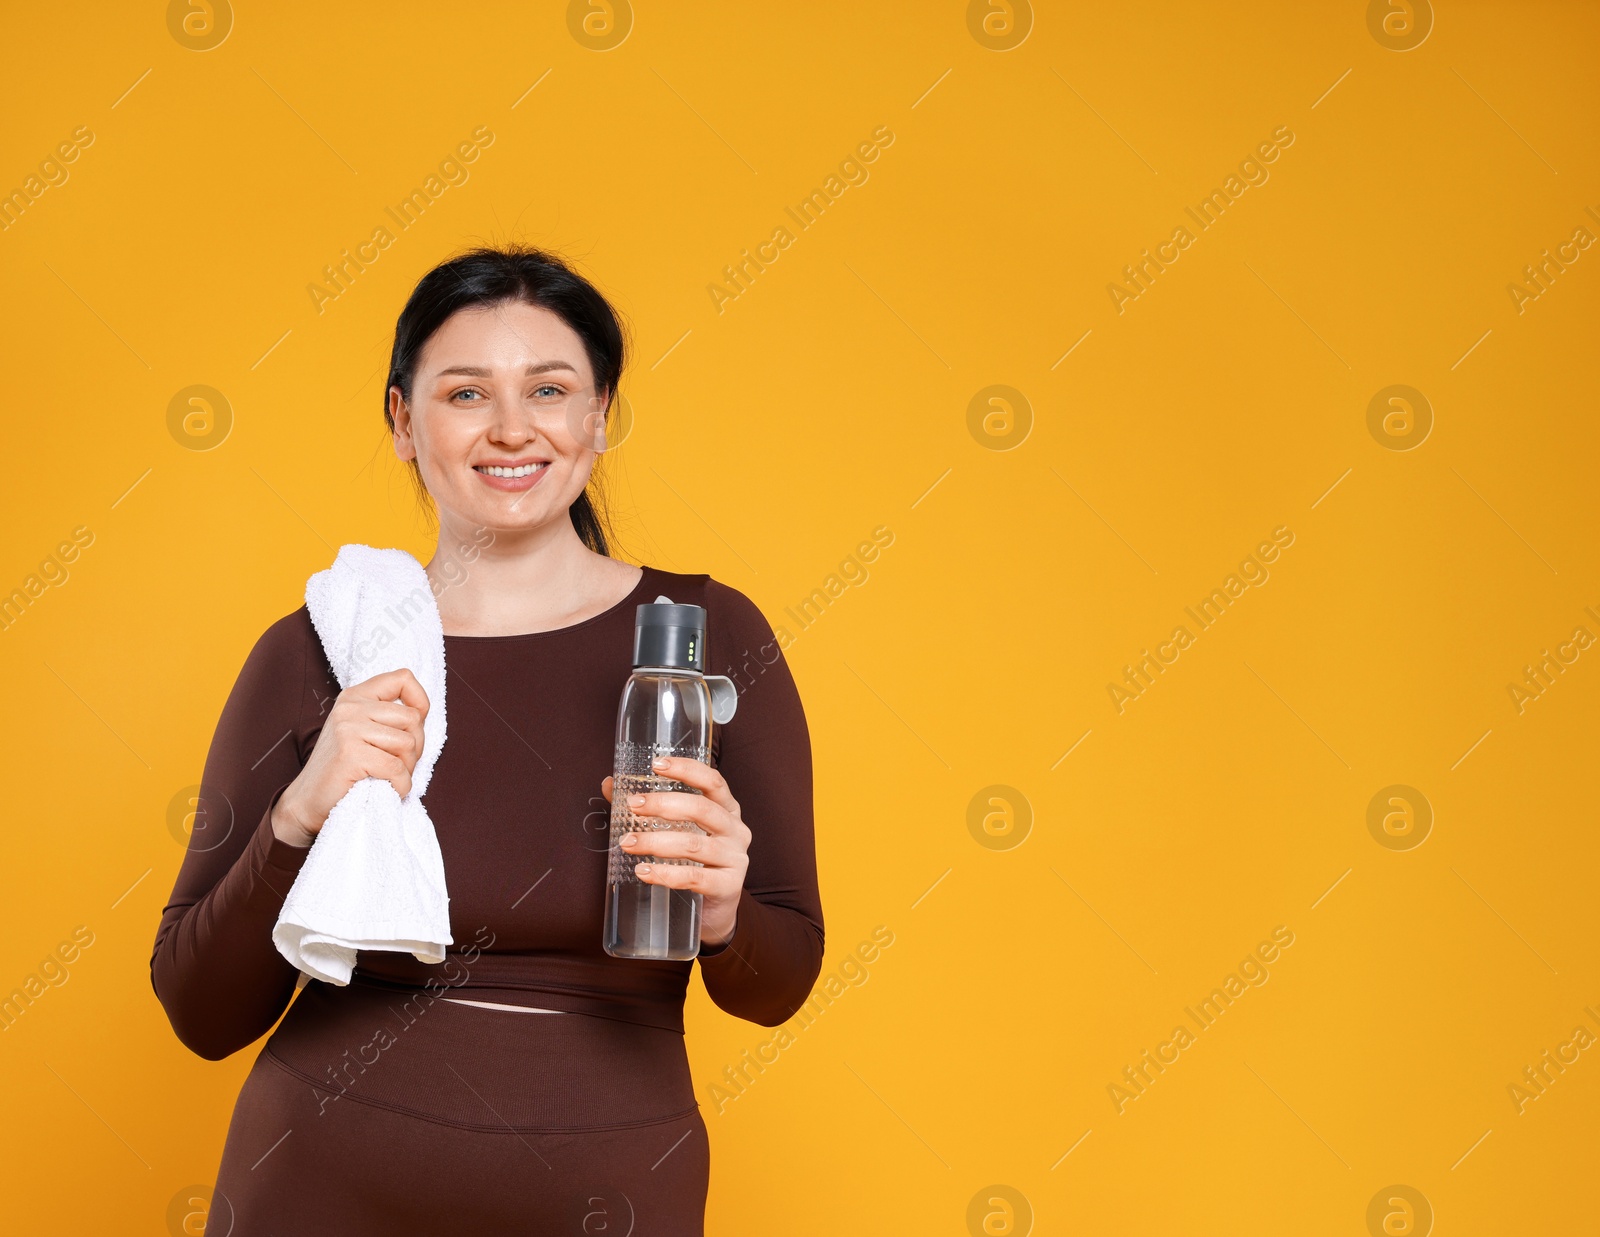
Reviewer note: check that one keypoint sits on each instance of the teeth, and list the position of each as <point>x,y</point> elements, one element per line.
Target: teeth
<point>522,471</point>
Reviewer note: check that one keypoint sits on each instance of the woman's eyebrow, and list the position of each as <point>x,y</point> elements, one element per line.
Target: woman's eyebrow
<point>477,371</point>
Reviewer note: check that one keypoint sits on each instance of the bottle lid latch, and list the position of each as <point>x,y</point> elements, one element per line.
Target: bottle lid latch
<point>724,698</point>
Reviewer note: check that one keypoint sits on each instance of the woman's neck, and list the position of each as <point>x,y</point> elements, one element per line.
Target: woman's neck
<point>494,583</point>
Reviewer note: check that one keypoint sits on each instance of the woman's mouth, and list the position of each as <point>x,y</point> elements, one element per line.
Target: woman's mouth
<point>512,477</point>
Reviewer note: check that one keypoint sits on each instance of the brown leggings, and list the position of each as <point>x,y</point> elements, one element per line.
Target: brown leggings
<point>370,1113</point>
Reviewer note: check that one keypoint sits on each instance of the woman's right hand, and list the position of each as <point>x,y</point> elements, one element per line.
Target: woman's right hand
<point>373,730</point>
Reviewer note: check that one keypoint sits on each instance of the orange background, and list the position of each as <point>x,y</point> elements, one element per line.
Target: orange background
<point>1129,860</point>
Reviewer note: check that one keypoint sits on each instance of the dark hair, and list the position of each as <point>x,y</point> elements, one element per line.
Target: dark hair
<point>514,272</point>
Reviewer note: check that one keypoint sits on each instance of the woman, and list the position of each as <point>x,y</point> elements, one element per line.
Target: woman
<point>531,1083</point>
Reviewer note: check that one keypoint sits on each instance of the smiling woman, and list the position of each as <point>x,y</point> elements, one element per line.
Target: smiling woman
<point>477,1117</point>
<point>562,331</point>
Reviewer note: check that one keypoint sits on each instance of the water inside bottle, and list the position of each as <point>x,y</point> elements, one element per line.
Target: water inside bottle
<point>645,920</point>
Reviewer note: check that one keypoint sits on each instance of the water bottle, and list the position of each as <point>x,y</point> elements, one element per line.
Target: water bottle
<point>669,707</point>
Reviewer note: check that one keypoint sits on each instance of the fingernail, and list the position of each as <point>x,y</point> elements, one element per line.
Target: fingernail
<point>642,869</point>
<point>629,839</point>
<point>661,762</point>
<point>635,800</point>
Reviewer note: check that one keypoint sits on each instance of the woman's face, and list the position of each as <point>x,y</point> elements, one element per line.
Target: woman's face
<point>503,419</point>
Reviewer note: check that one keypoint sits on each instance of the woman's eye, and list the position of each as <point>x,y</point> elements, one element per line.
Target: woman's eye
<point>547,391</point>
<point>464,391</point>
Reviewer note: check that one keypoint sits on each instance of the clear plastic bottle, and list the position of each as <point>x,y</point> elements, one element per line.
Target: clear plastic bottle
<point>669,707</point>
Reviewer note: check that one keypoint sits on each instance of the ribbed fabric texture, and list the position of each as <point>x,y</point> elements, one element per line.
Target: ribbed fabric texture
<point>481,1069</point>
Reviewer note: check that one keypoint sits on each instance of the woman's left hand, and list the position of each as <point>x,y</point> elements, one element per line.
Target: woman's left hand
<point>723,849</point>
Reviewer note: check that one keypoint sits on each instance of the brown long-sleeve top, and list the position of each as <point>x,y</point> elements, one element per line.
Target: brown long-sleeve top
<point>522,825</point>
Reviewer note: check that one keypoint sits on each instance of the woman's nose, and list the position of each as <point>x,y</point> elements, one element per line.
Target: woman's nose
<point>512,425</point>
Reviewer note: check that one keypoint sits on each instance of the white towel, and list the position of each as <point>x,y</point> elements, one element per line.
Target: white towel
<point>374,878</point>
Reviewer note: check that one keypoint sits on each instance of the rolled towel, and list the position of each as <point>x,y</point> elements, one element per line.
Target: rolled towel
<point>374,878</point>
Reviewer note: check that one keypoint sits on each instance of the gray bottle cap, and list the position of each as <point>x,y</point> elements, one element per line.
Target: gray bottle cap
<point>670,635</point>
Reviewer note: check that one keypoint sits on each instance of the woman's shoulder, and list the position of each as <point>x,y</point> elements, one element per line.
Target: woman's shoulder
<point>282,646</point>
<point>287,639</point>
<point>740,642</point>
<point>743,646</point>
<point>289,652</point>
<point>726,607</point>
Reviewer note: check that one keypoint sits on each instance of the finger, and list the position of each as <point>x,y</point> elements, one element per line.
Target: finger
<point>606,785</point>
<point>678,844</point>
<point>401,744</point>
<point>393,684</point>
<point>389,769</point>
<point>674,876</point>
<point>402,719</point>
<point>394,713</point>
<point>698,774</point>
<point>681,805</point>
<point>712,882</point>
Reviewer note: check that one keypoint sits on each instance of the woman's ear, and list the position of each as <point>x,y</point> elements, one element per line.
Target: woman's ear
<point>404,447</point>
<point>589,427</point>
<point>605,415</point>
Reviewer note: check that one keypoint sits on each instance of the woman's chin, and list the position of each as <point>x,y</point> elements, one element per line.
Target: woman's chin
<point>508,514</point>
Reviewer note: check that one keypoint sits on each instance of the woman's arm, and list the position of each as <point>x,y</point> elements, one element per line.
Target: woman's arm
<point>765,970</point>
<point>214,968</point>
